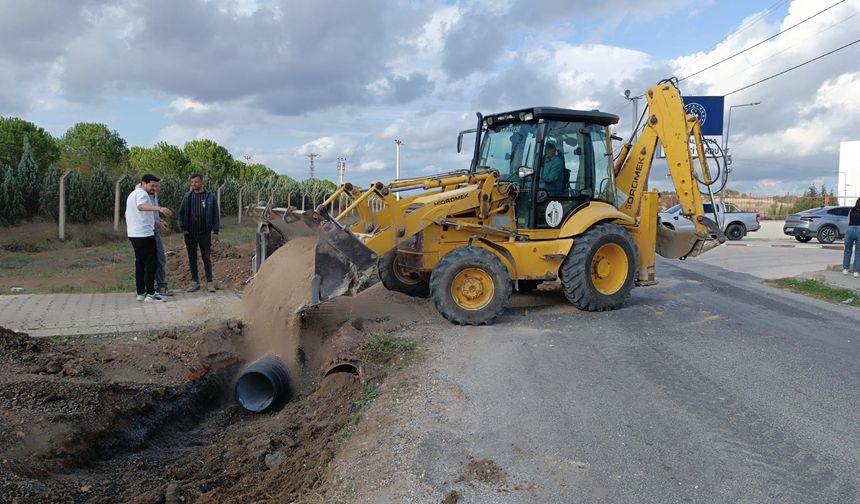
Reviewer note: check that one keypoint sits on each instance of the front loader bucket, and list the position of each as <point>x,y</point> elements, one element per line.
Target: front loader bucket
<point>673,244</point>
<point>343,264</point>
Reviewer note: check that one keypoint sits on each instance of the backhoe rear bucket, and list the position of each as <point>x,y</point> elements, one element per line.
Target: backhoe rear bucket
<point>674,244</point>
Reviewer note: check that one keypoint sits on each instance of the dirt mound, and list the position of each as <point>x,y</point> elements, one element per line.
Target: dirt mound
<point>67,408</point>
<point>17,346</point>
<point>280,287</point>
<point>231,266</point>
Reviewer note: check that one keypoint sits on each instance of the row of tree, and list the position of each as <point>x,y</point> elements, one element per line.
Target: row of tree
<point>32,161</point>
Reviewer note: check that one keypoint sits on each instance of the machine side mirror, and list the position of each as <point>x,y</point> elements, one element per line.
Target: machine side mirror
<point>525,171</point>
<point>459,142</point>
<point>542,196</point>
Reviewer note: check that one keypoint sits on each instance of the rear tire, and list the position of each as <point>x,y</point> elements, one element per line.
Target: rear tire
<point>470,286</point>
<point>803,239</point>
<point>397,279</point>
<point>599,271</point>
<point>827,234</point>
<point>735,231</point>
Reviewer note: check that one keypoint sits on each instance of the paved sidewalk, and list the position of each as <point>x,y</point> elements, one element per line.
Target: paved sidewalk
<point>833,276</point>
<point>75,314</point>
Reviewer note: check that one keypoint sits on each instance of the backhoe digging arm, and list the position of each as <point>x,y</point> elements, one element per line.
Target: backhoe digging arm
<point>668,124</point>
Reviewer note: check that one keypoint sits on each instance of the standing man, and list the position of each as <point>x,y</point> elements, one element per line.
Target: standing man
<point>140,216</point>
<point>161,259</point>
<point>200,218</point>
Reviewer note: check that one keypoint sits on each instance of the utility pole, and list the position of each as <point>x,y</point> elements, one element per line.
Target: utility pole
<point>341,169</point>
<point>397,143</point>
<point>311,156</point>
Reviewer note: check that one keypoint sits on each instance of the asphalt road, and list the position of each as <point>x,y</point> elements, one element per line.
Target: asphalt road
<point>710,387</point>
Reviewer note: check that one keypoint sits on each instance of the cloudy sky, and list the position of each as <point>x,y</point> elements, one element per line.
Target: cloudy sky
<point>276,80</point>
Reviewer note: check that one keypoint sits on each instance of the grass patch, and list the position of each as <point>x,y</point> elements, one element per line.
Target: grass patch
<point>819,290</point>
<point>384,348</point>
<point>17,261</point>
<point>370,394</point>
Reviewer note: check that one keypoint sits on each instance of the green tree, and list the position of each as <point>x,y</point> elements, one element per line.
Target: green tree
<point>13,209</point>
<point>13,131</point>
<point>212,160</point>
<point>101,194</point>
<point>87,145</point>
<point>49,202</point>
<point>29,178</point>
<point>163,160</point>
<point>77,206</point>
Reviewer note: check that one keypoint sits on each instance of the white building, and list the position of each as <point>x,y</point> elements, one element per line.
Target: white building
<point>848,185</point>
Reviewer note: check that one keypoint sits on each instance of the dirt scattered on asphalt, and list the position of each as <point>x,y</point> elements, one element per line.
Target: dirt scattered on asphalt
<point>485,471</point>
<point>451,497</point>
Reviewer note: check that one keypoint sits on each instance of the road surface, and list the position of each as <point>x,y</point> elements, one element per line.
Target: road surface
<point>710,387</point>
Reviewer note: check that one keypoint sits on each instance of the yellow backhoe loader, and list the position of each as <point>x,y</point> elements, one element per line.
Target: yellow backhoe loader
<point>542,200</point>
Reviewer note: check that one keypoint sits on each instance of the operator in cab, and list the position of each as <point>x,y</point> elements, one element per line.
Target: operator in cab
<point>552,173</point>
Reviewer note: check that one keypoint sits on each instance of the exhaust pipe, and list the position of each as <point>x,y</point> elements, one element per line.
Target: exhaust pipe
<point>263,385</point>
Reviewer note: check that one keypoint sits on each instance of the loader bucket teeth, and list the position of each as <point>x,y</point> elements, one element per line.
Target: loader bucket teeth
<point>343,265</point>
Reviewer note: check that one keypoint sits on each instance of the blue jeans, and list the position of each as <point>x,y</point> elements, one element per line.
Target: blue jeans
<point>852,242</point>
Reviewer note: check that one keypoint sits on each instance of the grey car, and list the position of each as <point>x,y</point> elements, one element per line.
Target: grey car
<point>826,224</point>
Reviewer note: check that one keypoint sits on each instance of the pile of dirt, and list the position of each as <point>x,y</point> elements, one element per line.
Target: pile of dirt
<point>231,266</point>
<point>66,408</point>
<point>151,418</point>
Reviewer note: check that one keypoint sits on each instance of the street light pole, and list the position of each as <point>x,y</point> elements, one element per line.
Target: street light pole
<point>398,143</point>
<point>729,125</point>
<point>635,101</point>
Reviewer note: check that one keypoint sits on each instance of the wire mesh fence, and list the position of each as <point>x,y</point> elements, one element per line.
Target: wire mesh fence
<point>770,207</point>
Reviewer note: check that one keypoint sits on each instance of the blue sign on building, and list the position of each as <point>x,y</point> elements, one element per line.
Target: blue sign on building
<point>709,109</point>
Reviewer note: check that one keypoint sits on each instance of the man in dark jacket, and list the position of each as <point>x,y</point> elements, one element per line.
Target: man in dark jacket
<point>200,219</point>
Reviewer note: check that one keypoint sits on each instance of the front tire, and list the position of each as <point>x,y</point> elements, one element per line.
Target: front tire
<point>395,278</point>
<point>803,239</point>
<point>827,234</point>
<point>599,271</point>
<point>735,231</point>
<point>470,286</point>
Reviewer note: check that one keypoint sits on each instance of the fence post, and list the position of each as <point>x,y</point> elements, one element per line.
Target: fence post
<point>240,205</point>
<point>218,197</point>
<point>116,203</point>
<point>63,204</point>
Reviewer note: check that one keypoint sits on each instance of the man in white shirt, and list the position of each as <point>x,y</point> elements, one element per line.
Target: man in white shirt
<point>140,216</point>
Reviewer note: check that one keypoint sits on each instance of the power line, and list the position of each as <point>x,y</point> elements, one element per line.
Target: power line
<point>793,68</point>
<point>762,42</point>
<point>787,48</point>
<point>744,26</point>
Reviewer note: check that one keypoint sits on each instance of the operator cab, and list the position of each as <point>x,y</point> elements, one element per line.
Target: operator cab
<point>559,159</point>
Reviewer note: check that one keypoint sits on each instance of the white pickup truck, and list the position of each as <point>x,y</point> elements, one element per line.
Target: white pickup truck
<point>736,224</point>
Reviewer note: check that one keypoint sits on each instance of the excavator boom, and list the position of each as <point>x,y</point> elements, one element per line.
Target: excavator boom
<point>668,124</point>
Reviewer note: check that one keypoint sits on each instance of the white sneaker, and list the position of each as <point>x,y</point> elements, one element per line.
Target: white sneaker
<point>140,297</point>
<point>844,271</point>
<point>153,298</point>
<point>856,274</point>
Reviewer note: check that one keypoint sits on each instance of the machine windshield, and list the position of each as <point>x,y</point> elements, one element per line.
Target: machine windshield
<point>506,147</point>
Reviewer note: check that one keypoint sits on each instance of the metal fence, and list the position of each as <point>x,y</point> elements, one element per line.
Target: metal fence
<point>769,207</point>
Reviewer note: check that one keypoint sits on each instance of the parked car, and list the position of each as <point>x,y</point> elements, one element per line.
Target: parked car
<point>826,224</point>
<point>736,224</point>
